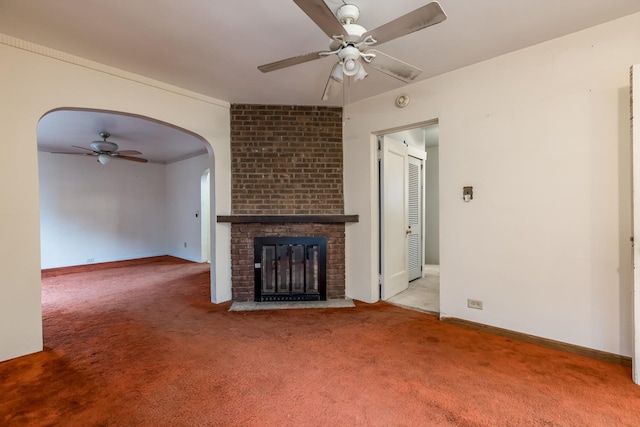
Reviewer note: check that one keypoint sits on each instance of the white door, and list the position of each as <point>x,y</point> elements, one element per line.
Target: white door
<point>414,214</point>
<point>394,198</point>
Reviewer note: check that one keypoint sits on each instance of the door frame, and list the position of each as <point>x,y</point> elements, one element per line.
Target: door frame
<point>635,162</point>
<point>375,136</point>
<point>205,216</point>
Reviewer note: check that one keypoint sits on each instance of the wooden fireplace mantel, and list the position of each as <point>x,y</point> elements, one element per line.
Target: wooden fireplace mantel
<point>288,219</point>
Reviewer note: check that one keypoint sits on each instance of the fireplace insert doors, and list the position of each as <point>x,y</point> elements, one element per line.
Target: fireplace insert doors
<point>290,268</point>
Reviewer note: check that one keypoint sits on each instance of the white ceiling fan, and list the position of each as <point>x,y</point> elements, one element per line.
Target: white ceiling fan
<point>105,151</point>
<point>351,42</point>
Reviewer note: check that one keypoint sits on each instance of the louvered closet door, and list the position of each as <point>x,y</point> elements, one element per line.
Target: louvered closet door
<point>415,212</point>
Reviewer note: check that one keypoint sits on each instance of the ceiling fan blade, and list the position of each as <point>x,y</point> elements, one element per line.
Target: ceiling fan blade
<point>334,85</point>
<point>393,67</point>
<point>70,152</point>
<point>420,18</point>
<point>128,152</point>
<point>82,148</point>
<point>289,62</point>
<point>324,18</point>
<point>133,159</point>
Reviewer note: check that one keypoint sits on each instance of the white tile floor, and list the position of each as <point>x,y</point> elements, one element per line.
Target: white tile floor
<point>423,294</point>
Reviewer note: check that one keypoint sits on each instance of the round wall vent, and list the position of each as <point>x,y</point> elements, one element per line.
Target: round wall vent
<point>402,101</point>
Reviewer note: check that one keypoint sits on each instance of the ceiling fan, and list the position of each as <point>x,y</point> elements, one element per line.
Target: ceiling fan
<point>351,43</point>
<point>105,151</point>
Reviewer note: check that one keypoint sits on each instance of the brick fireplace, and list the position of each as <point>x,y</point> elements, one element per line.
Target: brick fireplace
<point>286,182</point>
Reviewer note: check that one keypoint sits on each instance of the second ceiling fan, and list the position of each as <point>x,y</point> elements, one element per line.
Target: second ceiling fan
<point>351,42</point>
<point>105,151</point>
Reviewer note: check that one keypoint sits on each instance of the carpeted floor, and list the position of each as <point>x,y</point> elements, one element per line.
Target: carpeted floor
<point>143,346</point>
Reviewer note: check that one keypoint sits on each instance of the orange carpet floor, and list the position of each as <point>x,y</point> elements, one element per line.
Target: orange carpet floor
<point>143,346</point>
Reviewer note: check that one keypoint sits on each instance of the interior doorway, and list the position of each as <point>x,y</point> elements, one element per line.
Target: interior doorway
<point>205,212</point>
<point>410,276</point>
<point>95,212</point>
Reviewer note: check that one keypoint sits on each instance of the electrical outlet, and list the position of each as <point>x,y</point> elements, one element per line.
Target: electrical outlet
<point>474,303</point>
<point>185,244</point>
<point>90,260</point>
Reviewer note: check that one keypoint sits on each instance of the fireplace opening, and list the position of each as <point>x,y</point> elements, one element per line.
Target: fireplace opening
<point>290,268</point>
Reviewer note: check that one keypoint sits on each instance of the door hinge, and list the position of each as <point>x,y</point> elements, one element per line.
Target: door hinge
<point>380,279</point>
<point>379,154</point>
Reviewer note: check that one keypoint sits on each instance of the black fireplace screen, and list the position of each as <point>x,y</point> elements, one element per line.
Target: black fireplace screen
<point>290,268</point>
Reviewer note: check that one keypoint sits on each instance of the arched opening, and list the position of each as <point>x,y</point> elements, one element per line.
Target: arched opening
<point>82,83</point>
<point>144,202</point>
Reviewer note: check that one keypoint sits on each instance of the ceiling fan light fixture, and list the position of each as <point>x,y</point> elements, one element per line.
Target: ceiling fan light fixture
<point>337,74</point>
<point>361,74</point>
<point>350,58</point>
<point>354,68</point>
<point>350,67</point>
<point>104,158</point>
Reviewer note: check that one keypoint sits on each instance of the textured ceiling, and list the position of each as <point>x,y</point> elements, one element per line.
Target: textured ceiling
<point>158,143</point>
<point>214,47</point>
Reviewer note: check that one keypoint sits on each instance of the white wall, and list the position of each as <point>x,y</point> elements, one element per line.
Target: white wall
<point>635,135</point>
<point>35,80</point>
<point>432,207</point>
<point>99,213</point>
<point>542,135</point>
<point>120,211</point>
<point>183,202</point>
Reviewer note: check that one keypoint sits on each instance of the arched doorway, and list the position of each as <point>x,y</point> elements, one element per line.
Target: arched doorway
<point>140,204</point>
<point>83,83</point>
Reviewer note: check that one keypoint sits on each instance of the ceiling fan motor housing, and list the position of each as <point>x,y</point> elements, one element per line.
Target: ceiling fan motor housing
<point>104,146</point>
<point>354,31</point>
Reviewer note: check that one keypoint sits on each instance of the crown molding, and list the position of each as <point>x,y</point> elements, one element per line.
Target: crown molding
<point>106,69</point>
